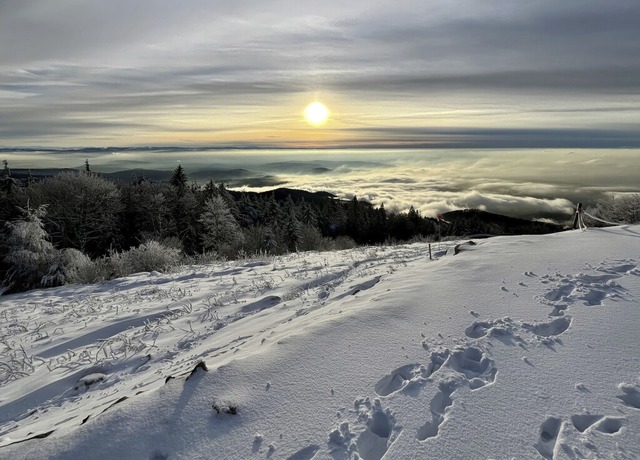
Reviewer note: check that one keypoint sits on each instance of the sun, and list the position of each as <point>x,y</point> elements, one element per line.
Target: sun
<point>316,113</point>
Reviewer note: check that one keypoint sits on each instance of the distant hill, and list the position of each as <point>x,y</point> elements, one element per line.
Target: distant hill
<point>233,177</point>
<point>314,166</point>
<point>129,174</point>
<point>23,174</point>
<point>281,194</point>
<point>478,222</point>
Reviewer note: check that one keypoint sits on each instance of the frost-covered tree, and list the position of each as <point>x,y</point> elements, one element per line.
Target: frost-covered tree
<point>623,209</point>
<point>29,252</point>
<point>291,228</point>
<point>221,230</point>
<point>83,211</point>
<point>8,184</point>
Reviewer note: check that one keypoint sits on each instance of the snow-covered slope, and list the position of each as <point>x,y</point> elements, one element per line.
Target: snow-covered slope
<point>516,347</point>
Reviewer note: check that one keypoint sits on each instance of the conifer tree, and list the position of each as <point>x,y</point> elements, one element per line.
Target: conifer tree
<point>292,233</point>
<point>179,179</point>
<point>9,184</point>
<point>221,230</point>
<point>29,252</point>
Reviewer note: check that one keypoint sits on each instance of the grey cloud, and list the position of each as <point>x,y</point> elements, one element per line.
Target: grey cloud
<point>501,137</point>
<point>121,59</point>
<point>605,80</point>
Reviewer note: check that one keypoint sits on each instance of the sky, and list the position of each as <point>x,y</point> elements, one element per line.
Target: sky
<point>429,74</point>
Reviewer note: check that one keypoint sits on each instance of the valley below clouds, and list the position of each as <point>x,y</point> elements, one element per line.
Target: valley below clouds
<point>534,183</point>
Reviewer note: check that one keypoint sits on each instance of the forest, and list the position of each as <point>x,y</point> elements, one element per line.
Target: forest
<point>77,226</point>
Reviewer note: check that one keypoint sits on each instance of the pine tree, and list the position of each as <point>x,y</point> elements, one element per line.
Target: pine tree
<point>229,200</point>
<point>221,230</point>
<point>210,190</point>
<point>29,253</point>
<point>179,179</point>
<point>292,232</point>
<point>308,215</point>
<point>9,184</point>
<point>291,229</point>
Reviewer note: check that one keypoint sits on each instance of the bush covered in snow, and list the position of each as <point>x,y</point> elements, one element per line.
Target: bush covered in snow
<point>147,257</point>
<point>624,209</point>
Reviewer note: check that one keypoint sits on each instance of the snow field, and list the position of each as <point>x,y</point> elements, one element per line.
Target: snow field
<point>518,347</point>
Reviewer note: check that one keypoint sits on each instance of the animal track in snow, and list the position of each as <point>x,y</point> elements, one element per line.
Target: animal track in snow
<point>370,436</point>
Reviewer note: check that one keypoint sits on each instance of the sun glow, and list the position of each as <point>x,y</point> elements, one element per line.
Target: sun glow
<point>316,113</point>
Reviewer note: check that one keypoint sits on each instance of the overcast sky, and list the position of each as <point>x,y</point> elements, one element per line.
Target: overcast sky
<point>410,73</point>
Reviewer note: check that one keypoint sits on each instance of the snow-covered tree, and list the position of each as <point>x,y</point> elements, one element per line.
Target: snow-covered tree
<point>29,252</point>
<point>221,230</point>
<point>623,209</point>
<point>292,232</point>
<point>8,184</point>
<point>82,212</point>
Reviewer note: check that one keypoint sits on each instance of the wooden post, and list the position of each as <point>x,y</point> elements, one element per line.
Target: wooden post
<point>576,218</point>
<point>430,257</point>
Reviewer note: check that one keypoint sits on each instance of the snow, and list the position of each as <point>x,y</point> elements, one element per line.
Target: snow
<point>516,347</point>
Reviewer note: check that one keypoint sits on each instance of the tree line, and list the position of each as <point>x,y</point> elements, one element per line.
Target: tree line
<point>81,216</point>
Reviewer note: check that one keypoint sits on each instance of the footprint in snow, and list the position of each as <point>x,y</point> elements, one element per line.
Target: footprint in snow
<point>551,328</point>
<point>503,329</point>
<point>474,364</point>
<point>410,377</point>
<point>591,289</point>
<point>594,297</point>
<point>562,292</point>
<point>370,436</point>
<point>549,431</point>
<point>438,406</point>
<point>508,331</point>
<point>603,424</point>
<point>609,425</point>
<point>630,395</point>
<point>474,368</point>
